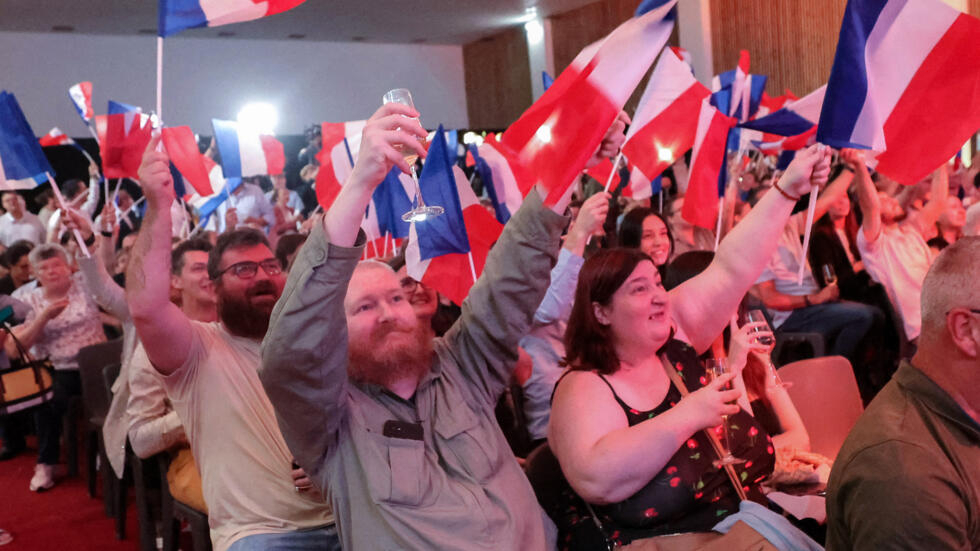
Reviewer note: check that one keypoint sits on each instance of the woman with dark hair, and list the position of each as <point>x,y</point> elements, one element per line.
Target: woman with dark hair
<point>644,229</point>
<point>628,437</point>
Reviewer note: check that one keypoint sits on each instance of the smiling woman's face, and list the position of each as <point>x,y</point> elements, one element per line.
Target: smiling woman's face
<point>639,309</point>
<point>655,242</point>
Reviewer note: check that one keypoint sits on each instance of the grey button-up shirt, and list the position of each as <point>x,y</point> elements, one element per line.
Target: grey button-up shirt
<point>458,487</point>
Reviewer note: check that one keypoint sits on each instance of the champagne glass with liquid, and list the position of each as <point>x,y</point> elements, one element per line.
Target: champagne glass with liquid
<point>715,368</point>
<point>421,211</point>
<point>753,316</point>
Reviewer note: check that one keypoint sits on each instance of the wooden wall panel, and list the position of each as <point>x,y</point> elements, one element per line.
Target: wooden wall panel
<point>498,79</point>
<point>973,7</point>
<point>791,42</point>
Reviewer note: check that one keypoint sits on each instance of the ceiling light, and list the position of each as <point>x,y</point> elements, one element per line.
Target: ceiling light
<point>665,154</point>
<point>259,117</point>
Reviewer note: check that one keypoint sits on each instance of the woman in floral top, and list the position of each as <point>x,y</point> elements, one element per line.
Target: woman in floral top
<point>626,439</point>
<point>64,319</point>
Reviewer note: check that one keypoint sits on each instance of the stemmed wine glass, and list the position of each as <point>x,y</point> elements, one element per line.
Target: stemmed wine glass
<point>715,368</point>
<point>421,211</point>
<point>753,316</point>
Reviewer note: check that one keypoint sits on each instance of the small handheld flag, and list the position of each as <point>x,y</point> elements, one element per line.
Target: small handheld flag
<point>178,15</point>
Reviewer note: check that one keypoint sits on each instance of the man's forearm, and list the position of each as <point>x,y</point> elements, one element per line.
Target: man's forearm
<point>148,273</point>
<point>870,206</point>
<point>343,220</point>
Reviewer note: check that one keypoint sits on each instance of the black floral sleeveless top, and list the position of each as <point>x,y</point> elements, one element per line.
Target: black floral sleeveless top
<point>689,494</point>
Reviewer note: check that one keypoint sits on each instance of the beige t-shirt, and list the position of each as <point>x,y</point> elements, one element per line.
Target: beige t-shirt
<point>244,462</point>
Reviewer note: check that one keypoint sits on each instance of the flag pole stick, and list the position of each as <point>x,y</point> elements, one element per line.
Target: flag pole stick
<point>386,244</point>
<point>472,265</point>
<point>660,199</point>
<point>619,157</point>
<point>64,206</point>
<point>160,79</point>
<point>721,211</point>
<point>811,210</point>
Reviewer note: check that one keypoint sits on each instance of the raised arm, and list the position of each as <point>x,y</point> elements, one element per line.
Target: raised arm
<point>304,353</point>
<point>832,192</point>
<point>108,294</point>
<point>163,329</point>
<point>867,195</point>
<point>702,305</point>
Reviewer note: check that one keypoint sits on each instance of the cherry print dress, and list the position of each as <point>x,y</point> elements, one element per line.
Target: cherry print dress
<point>689,494</point>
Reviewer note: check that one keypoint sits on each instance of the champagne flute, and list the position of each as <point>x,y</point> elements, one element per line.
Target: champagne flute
<point>829,276</point>
<point>753,316</point>
<point>715,368</point>
<point>421,211</point>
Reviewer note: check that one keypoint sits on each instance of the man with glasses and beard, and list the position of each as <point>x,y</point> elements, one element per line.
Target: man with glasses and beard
<point>210,374</point>
<point>399,425</point>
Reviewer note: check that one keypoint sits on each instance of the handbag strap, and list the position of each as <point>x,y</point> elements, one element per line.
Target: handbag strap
<point>675,378</point>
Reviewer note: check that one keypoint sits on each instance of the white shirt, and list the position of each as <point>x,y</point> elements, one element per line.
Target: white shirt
<point>29,227</point>
<point>899,260</point>
<point>248,202</point>
<point>228,418</point>
<point>784,266</point>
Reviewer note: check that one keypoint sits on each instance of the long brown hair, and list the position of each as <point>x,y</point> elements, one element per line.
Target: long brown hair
<point>588,343</point>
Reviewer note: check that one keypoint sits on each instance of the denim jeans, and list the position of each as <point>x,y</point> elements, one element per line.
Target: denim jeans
<point>319,539</point>
<point>67,383</point>
<point>843,324</point>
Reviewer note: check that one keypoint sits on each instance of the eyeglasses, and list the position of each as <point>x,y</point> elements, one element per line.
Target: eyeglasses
<point>248,269</point>
<point>409,285</point>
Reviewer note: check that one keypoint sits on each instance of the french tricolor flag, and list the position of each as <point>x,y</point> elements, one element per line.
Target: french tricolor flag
<point>55,137</point>
<point>22,163</point>
<point>338,152</point>
<point>221,189</point>
<point>448,252</point>
<point>126,135</point>
<point>707,163</point>
<point>905,81</point>
<point>81,97</point>
<point>245,152</point>
<point>733,82</point>
<point>181,146</point>
<point>795,118</point>
<point>666,120</point>
<point>559,133</point>
<point>499,173</point>
<point>178,15</point>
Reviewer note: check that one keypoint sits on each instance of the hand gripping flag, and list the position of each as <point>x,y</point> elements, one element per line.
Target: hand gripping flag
<point>22,163</point>
<point>707,163</point>
<point>81,97</point>
<point>666,121</point>
<point>246,153</point>
<point>558,134</point>
<point>126,136</point>
<point>448,252</point>
<point>341,142</point>
<point>178,15</point>
<point>905,81</point>
<point>182,149</point>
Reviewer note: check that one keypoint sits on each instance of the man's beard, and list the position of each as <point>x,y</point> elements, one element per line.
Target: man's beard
<point>241,317</point>
<point>392,353</point>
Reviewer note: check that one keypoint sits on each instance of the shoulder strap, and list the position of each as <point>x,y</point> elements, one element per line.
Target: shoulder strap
<point>678,382</point>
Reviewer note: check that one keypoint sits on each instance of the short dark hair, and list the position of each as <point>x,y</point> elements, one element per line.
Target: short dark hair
<point>16,251</point>
<point>8,192</point>
<point>287,245</point>
<point>686,266</point>
<point>588,343</point>
<point>71,188</point>
<point>236,239</point>
<point>631,229</point>
<point>177,255</point>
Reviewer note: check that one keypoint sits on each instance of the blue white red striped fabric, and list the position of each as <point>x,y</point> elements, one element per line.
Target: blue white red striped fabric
<point>340,143</point>
<point>55,137</point>
<point>665,122</point>
<point>22,163</point>
<point>499,173</point>
<point>390,200</point>
<point>558,134</point>
<point>707,163</point>
<point>178,15</point>
<point>903,83</point>
<point>246,153</point>
<point>796,117</point>
<point>81,97</point>
<point>440,250</point>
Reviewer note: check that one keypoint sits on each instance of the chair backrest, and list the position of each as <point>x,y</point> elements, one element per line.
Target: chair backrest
<point>825,393</point>
<point>544,473</point>
<point>91,361</point>
<point>109,375</point>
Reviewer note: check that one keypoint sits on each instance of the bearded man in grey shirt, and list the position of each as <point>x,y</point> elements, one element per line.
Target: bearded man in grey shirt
<point>399,428</point>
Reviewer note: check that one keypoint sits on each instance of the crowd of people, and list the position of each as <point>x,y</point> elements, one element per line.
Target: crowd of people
<point>311,399</point>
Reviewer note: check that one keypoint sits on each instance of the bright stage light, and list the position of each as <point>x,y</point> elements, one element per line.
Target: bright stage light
<point>259,117</point>
<point>535,32</point>
<point>665,154</point>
